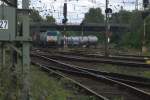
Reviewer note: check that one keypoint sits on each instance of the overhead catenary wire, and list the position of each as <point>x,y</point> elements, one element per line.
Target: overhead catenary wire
<point>54,7</point>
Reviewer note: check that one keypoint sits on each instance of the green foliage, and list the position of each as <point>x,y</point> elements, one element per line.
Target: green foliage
<point>50,19</point>
<point>135,36</point>
<point>35,16</point>
<point>136,22</point>
<point>131,40</point>
<point>94,16</point>
<point>147,74</point>
<point>122,17</point>
<point>46,88</point>
<point>72,33</point>
<point>9,83</point>
<point>148,30</point>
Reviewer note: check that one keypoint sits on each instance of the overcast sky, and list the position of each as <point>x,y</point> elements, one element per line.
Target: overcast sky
<point>77,8</point>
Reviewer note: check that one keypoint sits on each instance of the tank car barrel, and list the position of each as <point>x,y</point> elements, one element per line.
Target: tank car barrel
<point>82,40</point>
<point>55,38</point>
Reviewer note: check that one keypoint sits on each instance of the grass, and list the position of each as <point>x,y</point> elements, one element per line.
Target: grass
<point>135,71</point>
<point>147,74</point>
<point>44,87</point>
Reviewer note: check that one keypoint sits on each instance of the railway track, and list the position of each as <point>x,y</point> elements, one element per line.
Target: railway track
<point>94,77</point>
<point>117,61</point>
<point>139,59</point>
<point>138,56</point>
<point>100,55</point>
<point>56,73</point>
<point>135,80</point>
<point>122,56</point>
<point>104,69</point>
<point>102,52</point>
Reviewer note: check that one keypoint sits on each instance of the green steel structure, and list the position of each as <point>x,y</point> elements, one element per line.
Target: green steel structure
<point>18,43</point>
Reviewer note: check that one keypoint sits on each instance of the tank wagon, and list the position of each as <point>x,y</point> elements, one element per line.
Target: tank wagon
<point>55,38</point>
<point>81,40</point>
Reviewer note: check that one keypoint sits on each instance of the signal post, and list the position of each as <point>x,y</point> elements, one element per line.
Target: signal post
<point>16,42</point>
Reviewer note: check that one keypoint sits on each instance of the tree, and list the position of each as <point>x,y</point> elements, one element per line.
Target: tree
<point>148,30</point>
<point>50,19</point>
<point>122,17</point>
<point>35,16</point>
<point>135,22</point>
<point>94,16</point>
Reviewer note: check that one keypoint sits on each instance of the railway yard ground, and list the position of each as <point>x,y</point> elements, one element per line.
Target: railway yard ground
<point>84,75</point>
<point>50,86</point>
<point>44,86</point>
<point>98,76</point>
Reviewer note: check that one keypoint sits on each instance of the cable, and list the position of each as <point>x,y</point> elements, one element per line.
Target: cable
<point>78,8</point>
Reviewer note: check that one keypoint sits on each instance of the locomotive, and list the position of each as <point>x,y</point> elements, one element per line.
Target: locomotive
<point>55,38</point>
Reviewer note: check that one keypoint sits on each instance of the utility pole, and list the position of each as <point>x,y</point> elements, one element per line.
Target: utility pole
<point>108,11</point>
<point>137,5</point>
<point>9,37</point>
<point>26,53</point>
<point>144,37</point>
<point>107,30</point>
<point>64,21</point>
<point>145,14</point>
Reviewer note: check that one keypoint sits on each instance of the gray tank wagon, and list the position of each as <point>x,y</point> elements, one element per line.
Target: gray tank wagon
<point>55,38</point>
<point>81,40</point>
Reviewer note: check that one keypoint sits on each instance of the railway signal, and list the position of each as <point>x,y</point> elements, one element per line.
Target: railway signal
<point>146,3</point>
<point>64,21</point>
<point>108,11</point>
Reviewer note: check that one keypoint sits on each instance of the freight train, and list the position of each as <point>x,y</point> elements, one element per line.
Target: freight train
<point>55,38</point>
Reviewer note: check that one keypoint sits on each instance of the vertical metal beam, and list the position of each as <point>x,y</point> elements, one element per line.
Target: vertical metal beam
<point>25,4</point>
<point>137,5</point>
<point>64,22</point>
<point>2,63</point>
<point>3,56</point>
<point>0,57</point>
<point>26,52</point>
<point>144,49</point>
<point>107,30</point>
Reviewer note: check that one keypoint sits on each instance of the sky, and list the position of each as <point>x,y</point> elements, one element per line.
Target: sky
<point>78,8</point>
